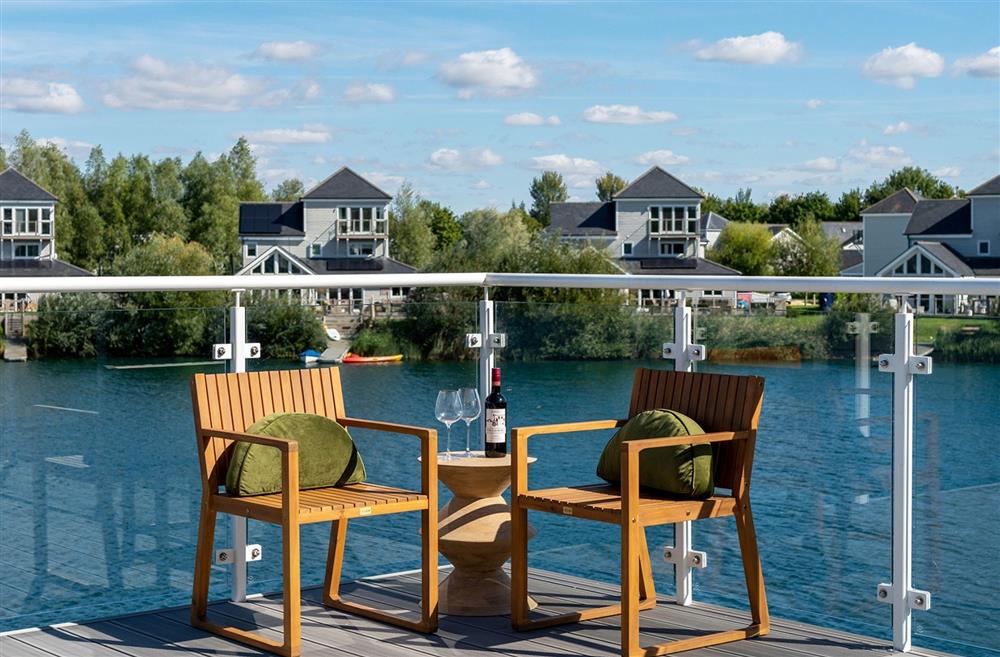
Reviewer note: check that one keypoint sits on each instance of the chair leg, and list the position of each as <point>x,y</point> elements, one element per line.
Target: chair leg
<point>752,569</point>
<point>203,564</point>
<point>334,561</point>
<point>292,598</point>
<point>647,588</point>
<point>630,587</point>
<point>429,569</point>
<point>518,566</point>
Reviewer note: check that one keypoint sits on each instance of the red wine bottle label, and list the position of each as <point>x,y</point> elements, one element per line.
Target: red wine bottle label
<point>496,425</point>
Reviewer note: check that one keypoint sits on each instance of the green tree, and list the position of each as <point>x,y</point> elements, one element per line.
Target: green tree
<point>212,205</point>
<point>288,190</point>
<point>608,185</point>
<point>746,247</point>
<point>813,254</point>
<point>794,210</point>
<point>710,203</point>
<point>919,180</point>
<point>848,206</point>
<point>3,158</point>
<point>243,167</point>
<point>443,223</point>
<point>545,190</point>
<point>742,208</point>
<point>412,239</point>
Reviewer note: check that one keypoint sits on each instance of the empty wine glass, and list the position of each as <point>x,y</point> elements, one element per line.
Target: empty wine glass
<point>448,410</point>
<point>472,406</point>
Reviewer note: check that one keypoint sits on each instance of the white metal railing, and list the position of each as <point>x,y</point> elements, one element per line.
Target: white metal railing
<point>903,365</point>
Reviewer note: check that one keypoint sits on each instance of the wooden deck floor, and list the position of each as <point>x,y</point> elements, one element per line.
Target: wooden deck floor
<point>329,633</point>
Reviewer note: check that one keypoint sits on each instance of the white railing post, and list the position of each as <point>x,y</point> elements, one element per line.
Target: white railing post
<point>903,364</point>
<point>238,524</point>
<point>684,354</point>
<point>487,323</point>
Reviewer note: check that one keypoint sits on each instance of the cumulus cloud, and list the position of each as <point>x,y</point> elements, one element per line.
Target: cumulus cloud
<point>369,93</point>
<point>309,134</point>
<point>385,181</point>
<point>897,128</point>
<point>986,65</point>
<point>903,65</point>
<point>481,184</point>
<point>451,159</point>
<point>814,103</point>
<point>26,95</point>
<point>579,172</point>
<point>661,158</point>
<point>73,147</point>
<point>626,115</point>
<point>287,50</point>
<point>947,172</point>
<point>879,156</point>
<point>156,84</point>
<point>764,48</point>
<point>488,72</point>
<point>530,118</point>
<point>822,164</point>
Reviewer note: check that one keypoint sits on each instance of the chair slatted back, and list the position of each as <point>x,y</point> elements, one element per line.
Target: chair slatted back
<point>718,402</point>
<point>233,402</point>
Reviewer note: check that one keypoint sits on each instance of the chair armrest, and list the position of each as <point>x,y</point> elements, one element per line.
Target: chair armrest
<point>641,444</point>
<point>519,446</point>
<point>391,427</point>
<point>283,444</point>
<point>428,449</point>
<point>289,448</point>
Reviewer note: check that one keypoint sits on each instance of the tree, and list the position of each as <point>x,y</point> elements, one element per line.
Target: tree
<point>710,203</point>
<point>412,241</point>
<point>813,254</point>
<point>443,223</point>
<point>848,206</point>
<point>608,185</point>
<point>919,180</point>
<point>742,208</point>
<point>288,190</point>
<point>746,247</point>
<point>545,191</point>
<point>793,210</point>
<point>3,158</point>
<point>243,166</point>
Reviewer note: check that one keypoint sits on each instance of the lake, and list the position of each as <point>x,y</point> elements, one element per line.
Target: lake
<point>99,491</point>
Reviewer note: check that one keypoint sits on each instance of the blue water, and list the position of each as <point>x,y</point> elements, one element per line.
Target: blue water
<point>98,509</point>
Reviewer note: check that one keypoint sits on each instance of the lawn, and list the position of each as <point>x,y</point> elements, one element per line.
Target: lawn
<point>927,327</point>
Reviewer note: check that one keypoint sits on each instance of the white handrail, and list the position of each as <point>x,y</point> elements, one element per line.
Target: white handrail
<point>989,286</point>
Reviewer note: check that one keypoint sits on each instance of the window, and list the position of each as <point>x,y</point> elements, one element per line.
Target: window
<point>46,221</point>
<point>22,220</point>
<point>342,221</point>
<point>918,264</point>
<point>366,220</point>
<point>8,221</point>
<point>672,248</point>
<point>984,247</point>
<point>251,250</point>
<point>26,251</point>
<point>355,220</point>
<point>678,219</point>
<point>626,248</point>
<point>315,249</point>
<point>361,249</point>
<point>399,292</point>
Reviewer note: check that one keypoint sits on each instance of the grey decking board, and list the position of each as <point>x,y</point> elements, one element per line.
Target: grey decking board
<point>180,633</point>
<point>11,647</point>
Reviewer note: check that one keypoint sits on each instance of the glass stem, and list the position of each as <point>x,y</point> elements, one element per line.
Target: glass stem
<point>468,438</point>
<point>447,443</point>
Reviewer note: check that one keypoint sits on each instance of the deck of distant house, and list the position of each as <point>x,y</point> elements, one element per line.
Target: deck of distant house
<point>330,633</point>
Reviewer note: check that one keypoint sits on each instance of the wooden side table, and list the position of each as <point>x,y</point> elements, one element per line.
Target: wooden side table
<point>475,535</point>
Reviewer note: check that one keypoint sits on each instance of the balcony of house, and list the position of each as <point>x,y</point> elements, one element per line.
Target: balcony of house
<point>874,478</point>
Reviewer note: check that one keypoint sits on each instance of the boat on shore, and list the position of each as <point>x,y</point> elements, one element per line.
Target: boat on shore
<point>355,358</point>
<point>309,356</point>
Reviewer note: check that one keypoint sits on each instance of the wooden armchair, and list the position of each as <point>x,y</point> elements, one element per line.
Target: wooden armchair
<point>728,407</point>
<point>224,406</point>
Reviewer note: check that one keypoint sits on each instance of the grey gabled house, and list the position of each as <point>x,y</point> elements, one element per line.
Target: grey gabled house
<point>653,226</point>
<point>339,226</point>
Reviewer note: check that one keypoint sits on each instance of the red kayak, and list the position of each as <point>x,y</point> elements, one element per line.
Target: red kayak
<point>354,358</point>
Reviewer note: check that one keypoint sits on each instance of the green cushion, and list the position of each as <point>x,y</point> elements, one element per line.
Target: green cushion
<point>684,471</point>
<point>327,455</point>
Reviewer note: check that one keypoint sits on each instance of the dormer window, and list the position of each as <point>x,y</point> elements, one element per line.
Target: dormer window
<point>673,220</point>
<point>361,221</point>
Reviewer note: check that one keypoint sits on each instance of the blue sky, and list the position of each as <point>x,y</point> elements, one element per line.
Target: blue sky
<point>470,101</point>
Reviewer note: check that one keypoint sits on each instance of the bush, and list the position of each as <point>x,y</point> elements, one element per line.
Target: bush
<point>980,347</point>
<point>283,329</point>
<point>381,341</point>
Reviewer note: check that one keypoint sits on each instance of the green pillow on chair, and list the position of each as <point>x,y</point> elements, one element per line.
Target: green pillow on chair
<point>327,455</point>
<point>684,471</point>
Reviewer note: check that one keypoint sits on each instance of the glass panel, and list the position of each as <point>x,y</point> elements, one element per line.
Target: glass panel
<point>654,212</point>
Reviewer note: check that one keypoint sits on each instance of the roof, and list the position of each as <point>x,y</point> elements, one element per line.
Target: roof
<point>675,266</point>
<point>657,183</point>
<point>947,256</point>
<point>850,258</point>
<point>272,219</point>
<point>901,202</point>
<point>346,185</point>
<point>777,228</point>
<point>358,266</point>
<point>989,188</point>
<point>713,221</point>
<point>46,268</point>
<point>591,219</point>
<point>984,266</point>
<point>15,186</point>
<point>941,217</point>
<point>843,231</point>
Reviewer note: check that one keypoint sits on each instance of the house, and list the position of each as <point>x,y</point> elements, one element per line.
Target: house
<point>340,226</point>
<point>955,238</point>
<point>850,237</point>
<point>27,236</point>
<point>652,227</point>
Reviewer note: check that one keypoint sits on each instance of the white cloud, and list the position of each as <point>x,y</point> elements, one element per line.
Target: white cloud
<point>309,134</point>
<point>490,72</point>
<point>947,172</point>
<point>387,182</point>
<point>310,89</point>
<point>626,115</point>
<point>456,160</point>
<point>73,147</point>
<point>824,164</point>
<point>530,118</point>
<point>369,93</point>
<point>880,156</point>
<point>661,158</point>
<point>481,184</point>
<point>765,48</point>
<point>897,128</point>
<point>684,132</point>
<point>156,84</point>
<point>287,50</point>
<point>26,95</point>
<point>814,103</point>
<point>903,65</point>
<point>272,177</point>
<point>986,65</point>
<point>579,172</point>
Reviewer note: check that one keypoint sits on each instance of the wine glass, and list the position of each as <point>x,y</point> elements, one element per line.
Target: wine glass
<point>448,410</point>
<point>471,408</point>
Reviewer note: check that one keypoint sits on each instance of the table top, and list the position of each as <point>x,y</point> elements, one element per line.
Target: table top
<point>477,460</point>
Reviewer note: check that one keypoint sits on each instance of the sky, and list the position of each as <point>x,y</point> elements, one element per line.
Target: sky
<point>470,101</point>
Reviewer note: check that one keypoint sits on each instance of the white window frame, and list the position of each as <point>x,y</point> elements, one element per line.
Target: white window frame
<point>41,223</point>
<point>685,224</point>
<point>251,250</point>
<point>361,247</point>
<point>628,248</point>
<point>671,246</point>
<point>7,224</point>
<point>979,248</point>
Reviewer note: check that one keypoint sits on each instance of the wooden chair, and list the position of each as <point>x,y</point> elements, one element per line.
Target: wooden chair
<point>224,406</point>
<point>728,408</point>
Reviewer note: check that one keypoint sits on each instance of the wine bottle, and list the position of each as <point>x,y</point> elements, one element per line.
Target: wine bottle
<point>496,420</point>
